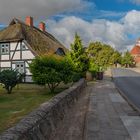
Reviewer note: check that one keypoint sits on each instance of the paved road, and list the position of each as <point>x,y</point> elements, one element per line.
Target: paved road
<point>128,82</point>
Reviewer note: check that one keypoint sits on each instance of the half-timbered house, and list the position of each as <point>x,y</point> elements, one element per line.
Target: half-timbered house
<point>21,42</point>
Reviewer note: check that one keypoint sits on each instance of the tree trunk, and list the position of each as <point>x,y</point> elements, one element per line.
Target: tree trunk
<point>9,90</point>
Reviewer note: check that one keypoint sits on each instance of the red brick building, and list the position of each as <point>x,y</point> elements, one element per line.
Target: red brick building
<point>135,52</point>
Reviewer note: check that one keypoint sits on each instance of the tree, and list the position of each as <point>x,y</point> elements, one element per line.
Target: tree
<point>78,56</point>
<point>127,59</point>
<point>116,58</point>
<point>100,54</point>
<point>51,71</point>
<point>10,78</point>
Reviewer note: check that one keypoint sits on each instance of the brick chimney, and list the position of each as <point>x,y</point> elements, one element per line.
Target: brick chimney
<point>29,21</point>
<point>42,26</point>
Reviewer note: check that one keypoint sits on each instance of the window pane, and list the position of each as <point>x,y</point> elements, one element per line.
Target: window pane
<point>23,47</point>
<point>5,48</point>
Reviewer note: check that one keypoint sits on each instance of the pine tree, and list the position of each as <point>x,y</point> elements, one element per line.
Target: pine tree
<point>77,55</point>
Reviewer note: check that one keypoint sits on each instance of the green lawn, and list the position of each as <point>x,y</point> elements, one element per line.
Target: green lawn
<point>23,100</point>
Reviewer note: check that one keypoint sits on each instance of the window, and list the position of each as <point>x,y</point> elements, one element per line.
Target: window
<point>5,48</point>
<point>60,52</point>
<point>20,67</point>
<point>23,47</point>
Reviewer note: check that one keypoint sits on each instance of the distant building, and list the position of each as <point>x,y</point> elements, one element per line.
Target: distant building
<point>21,42</point>
<point>135,52</point>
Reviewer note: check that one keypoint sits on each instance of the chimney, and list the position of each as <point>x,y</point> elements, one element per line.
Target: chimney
<point>42,26</point>
<point>29,21</point>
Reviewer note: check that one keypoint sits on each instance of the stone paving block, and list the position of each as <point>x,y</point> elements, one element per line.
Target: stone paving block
<point>116,98</point>
<point>112,137</point>
<point>132,124</point>
<point>107,107</point>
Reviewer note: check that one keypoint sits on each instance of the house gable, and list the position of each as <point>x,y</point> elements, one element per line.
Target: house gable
<point>20,43</point>
<point>19,56</point>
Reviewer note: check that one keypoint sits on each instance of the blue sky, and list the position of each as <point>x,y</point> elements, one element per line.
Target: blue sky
<point>115,22</point>
<point>101,9</point>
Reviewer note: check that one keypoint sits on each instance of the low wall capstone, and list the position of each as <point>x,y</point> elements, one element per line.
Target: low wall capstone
<point>41,124</point>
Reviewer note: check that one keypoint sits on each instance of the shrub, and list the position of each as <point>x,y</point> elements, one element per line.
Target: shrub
<point>10,78</point>
<point>51,71</point>
<point>76,76</point>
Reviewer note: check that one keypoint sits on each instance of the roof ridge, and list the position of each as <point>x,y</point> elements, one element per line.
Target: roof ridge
<point>41,42</point>
<point>15,21</point>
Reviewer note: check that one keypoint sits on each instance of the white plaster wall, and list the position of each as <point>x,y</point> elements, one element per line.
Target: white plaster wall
<point>18,48</point>
<point>13,66</point>
<point>13,45</point>
<point>28,79</point>
<point>16,55</point>
<point>25,45</point>
<point>29,62</point>
<point>27,55</point>
<point>28,72</point>
<point>4,57</point>
<point>5,64</point>
<point>26,64</point>
<point>11,54</point>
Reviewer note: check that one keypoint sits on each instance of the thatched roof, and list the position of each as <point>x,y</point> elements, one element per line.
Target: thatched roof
<point>40,42</point>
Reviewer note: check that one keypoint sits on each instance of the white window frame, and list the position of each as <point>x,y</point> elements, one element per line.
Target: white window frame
<point>20,66</point>
<point>5,48</point>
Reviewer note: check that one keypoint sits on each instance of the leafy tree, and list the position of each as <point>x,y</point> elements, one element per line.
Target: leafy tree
<point>116,57</point>
<point>10,78</point>
<point>127,59</point>
<point>100,54</point>
<point>78,56</point>
<point>51,71</point>
<point>66,70</point>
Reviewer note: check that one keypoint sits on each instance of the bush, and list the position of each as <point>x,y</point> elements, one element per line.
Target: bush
<point>10,78</point>
<point>76,76</point>
<point>51,71</point>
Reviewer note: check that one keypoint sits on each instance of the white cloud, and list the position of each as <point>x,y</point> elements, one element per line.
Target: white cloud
<point>135,2</point>
<point>132,21</point>
<point>36,8</point>
<point>111,32</point>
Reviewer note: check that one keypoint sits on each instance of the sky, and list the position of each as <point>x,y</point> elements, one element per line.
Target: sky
<point>115,22</point>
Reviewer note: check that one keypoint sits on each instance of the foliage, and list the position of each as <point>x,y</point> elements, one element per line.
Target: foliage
<point>66,70</point>
<point>93,68</point>
<point>77,56</point>
<point>127,59</point>
<point>116,57</point>
<point>101,56</point>
<point>10,78</point>
<point>51,71</point>
<point>76,76</point>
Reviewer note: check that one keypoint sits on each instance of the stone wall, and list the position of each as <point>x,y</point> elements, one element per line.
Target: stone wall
<point>41,124</point>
